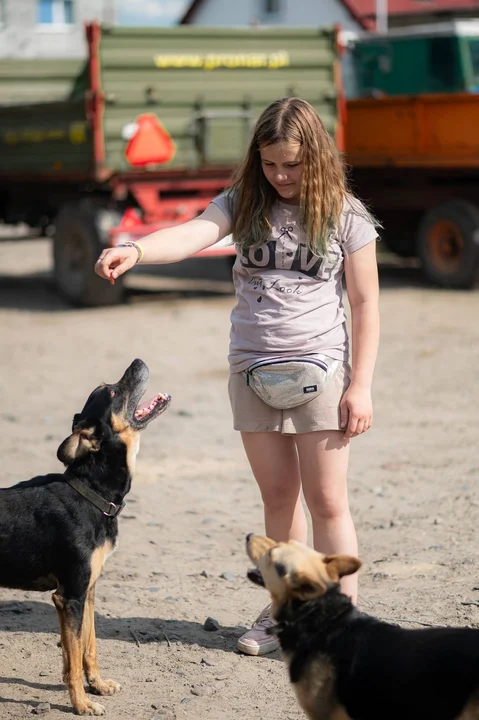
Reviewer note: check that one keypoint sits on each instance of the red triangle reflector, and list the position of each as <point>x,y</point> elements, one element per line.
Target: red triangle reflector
<point>151,144</point>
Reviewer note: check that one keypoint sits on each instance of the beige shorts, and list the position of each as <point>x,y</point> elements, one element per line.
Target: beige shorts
<point>251,414</point>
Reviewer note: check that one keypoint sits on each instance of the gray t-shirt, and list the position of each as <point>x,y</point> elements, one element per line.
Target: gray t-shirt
<point>289,301</point>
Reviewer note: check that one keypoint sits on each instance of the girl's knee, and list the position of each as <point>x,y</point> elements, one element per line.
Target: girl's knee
<point>277,501</point>
<point>327,509</point>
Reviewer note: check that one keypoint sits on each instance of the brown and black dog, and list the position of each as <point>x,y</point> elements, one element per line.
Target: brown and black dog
<point>57,530</point>
<point>345,665</point>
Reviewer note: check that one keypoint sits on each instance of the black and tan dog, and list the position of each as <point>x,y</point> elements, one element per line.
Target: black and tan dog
<point>57,530</point>
<point>345,665</point>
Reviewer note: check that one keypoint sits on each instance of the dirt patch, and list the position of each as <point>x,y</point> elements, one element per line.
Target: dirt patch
<point>413,480</point>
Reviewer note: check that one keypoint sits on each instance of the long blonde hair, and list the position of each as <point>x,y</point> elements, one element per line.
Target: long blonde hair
<point>323,186</point>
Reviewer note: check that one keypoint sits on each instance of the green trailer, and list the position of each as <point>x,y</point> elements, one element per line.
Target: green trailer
<point>412,143</point>
<point>441,58</point>
<point>145,132</point>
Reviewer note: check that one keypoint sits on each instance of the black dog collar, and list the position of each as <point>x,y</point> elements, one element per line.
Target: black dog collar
<point>108,508</point>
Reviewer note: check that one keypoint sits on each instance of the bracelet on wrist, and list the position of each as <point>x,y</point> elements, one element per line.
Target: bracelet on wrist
<point>137,247</point>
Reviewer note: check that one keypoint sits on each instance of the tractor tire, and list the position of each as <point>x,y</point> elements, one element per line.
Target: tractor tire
<point>448,244</point>
<point>81,232</point>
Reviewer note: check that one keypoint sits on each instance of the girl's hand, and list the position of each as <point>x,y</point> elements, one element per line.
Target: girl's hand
<point>115,261</point>
<point>356,411</point>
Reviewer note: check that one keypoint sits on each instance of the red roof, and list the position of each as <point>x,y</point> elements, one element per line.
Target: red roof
<point>364,11</point>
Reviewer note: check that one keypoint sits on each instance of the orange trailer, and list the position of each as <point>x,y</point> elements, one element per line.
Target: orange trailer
<point>415,159</point>
<point>433,131</point>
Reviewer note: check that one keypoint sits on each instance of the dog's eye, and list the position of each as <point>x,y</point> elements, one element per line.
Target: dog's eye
<point>280,569</point>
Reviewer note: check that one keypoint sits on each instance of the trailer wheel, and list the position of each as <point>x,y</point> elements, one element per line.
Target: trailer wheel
<point>448,244</point>
<point>80,235</point>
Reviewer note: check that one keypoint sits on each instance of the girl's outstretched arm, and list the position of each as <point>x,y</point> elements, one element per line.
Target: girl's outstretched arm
<point>168,245</point>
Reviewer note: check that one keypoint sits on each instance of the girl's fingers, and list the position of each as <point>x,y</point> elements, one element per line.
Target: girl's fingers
<point>352,425</point>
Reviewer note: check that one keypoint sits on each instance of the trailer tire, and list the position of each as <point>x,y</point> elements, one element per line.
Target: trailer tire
<point>77,243</point>
<point>448,244</point>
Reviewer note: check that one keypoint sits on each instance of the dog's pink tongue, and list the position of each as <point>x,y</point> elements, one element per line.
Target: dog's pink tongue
<point>148,406</point>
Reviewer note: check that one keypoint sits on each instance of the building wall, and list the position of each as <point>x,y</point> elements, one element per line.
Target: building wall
<point>292,13</point>
<point>21,36</point>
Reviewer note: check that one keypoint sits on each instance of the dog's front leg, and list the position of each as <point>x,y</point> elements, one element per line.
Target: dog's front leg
<point>90,666</point>
<point>70,615</point>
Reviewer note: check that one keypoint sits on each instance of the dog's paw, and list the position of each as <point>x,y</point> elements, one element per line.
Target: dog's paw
<point>90,708</point>
<point>105,687</point>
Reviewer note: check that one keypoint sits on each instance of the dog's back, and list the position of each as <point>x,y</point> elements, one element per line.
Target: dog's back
<point>384,671</point>
<point>377,671</point>
<point>45,527</point>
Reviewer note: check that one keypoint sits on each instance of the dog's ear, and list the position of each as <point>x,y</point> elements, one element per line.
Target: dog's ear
<point>338,566</point>
<point>80,443</point>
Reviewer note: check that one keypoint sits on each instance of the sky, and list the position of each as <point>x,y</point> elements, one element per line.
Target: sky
<point>149,12</point>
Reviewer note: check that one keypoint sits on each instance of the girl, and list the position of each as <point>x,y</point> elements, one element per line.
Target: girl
<point>297,228</point>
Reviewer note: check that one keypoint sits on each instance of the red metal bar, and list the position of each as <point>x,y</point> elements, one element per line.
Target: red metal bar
<point>156,207</point>
<point>158,213</point>
<point>158,199</point>
<point>179,179</point>
<point>95,101</point>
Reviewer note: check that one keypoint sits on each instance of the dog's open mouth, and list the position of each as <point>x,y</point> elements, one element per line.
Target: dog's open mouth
<point>147,411</point>
<point>131,389</point>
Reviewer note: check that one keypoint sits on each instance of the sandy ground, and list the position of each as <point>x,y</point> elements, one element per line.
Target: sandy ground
<point>413,482</point>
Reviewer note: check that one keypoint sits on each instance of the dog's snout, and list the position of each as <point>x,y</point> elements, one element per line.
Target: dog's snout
<point>248,537</point>
<point>137,372</point>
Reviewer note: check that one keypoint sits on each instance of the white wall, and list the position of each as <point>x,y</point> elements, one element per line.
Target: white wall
<point>294,13</point>
<point>22,37</point>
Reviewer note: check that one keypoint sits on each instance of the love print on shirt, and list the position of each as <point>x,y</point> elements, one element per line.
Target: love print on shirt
<point>275,255</point>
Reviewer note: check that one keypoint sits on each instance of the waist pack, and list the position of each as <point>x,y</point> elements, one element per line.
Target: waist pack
<point>284,384</point>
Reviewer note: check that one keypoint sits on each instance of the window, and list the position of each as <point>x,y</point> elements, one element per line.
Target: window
<point>474,50</point>
<point>442,64</point>
<point>55,12</point>
<point>272,7</point>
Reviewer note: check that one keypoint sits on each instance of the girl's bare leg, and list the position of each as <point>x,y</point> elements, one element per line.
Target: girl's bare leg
<point>323,462</point>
